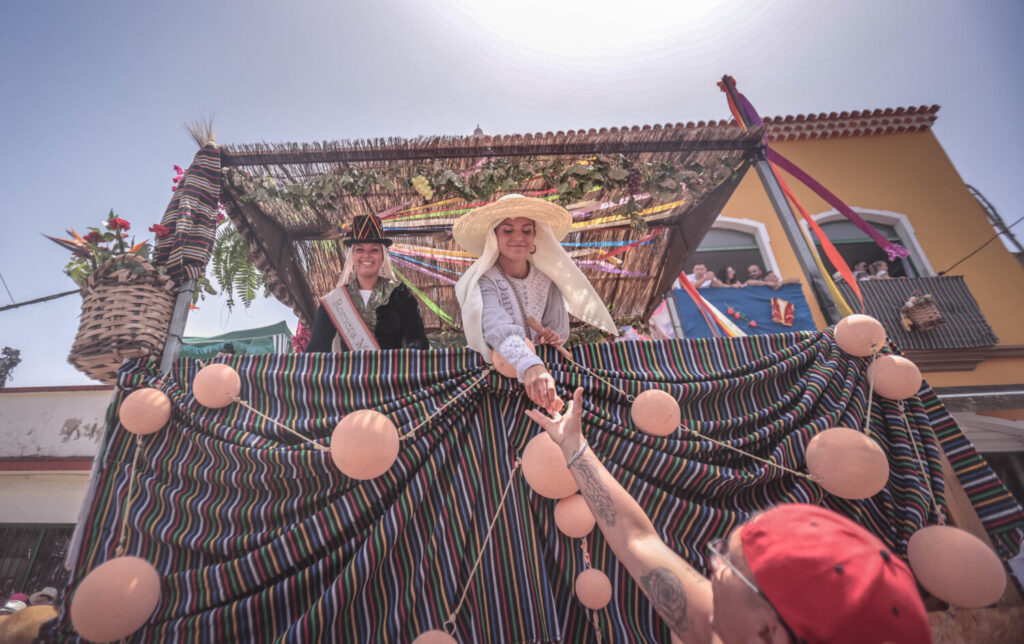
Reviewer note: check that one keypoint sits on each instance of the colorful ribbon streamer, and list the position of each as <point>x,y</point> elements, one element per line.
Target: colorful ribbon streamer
<point>892,250</point>
<point>433,306</point>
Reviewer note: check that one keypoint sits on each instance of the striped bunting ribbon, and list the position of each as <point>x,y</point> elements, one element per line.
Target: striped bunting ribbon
<point>258,537</point>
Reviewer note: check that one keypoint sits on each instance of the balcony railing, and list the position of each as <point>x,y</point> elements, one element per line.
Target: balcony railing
<point>958,344</point>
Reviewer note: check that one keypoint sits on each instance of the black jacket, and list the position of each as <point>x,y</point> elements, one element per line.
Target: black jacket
<point>399,325</point>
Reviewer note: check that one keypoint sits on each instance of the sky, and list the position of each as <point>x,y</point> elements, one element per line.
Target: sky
<point>94,95</point>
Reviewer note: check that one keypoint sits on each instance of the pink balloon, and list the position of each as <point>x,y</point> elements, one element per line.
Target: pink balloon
<point>847,463</point>
<point>216,386</point>
<point>593,589</point>
<point>895,377</point>
<point>544,468</point>
<point>573,517</point>
<point>860,335</point>
<point>145,411</point>
<point>115,599</point>
<point>656,412</point>
<point>956,566</point>
<point>364,444</point>
<point>503,366</point>
<point>435,637</point>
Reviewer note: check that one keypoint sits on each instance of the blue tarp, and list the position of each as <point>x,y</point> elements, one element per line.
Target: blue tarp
<point>753,302</point>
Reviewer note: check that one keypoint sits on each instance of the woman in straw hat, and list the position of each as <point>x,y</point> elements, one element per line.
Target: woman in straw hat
<point>522,272</point>
<point>370,309</point>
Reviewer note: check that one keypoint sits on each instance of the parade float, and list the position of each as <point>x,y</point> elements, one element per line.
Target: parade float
<point>395,495</point>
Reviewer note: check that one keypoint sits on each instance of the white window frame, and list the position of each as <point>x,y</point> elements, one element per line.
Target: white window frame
<point>760,233</point>
<point>899,221</point>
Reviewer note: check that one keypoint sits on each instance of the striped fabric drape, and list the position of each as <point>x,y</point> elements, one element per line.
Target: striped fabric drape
<point>259,538</point>
<point>192,218</point>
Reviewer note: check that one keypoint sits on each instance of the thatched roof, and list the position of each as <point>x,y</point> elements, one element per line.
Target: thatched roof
<point>293,203</point>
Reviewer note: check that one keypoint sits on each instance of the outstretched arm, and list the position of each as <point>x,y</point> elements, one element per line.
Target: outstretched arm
<point>680,595</point>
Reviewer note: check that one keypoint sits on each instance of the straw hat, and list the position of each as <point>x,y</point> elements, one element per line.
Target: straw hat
<point>472,228</point>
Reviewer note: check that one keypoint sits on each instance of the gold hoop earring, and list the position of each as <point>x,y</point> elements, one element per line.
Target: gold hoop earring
<point>534,249</point>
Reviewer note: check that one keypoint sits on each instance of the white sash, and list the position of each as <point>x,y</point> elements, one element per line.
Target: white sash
<point>350,325</point>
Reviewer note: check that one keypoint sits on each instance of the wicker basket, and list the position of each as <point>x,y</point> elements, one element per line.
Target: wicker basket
<point>126,309</point>
<point>924,316</point>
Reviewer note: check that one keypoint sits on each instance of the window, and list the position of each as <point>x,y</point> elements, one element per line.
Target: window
<point>854,245</point>
<point>737,243</point>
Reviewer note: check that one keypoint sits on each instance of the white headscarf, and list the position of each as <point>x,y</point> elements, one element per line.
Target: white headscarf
<point>551,259</point>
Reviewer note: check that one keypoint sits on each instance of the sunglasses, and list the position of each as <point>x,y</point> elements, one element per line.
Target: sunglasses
<point>718,551</point>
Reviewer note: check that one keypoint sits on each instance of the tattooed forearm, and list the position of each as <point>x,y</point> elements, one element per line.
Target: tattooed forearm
<point>668,595</point>
<point>594,491</point>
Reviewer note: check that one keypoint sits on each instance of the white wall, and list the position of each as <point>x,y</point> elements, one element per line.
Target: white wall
<point>51,422</point>
<point>29,497</point>
<point>37,426</point>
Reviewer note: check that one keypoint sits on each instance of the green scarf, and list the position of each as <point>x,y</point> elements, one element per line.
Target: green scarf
<point>379,296</point>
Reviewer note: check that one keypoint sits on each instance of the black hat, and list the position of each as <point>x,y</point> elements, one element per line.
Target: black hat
<point>366,229</point>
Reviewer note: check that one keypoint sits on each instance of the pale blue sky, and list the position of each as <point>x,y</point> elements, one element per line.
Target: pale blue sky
<point>93,96</point>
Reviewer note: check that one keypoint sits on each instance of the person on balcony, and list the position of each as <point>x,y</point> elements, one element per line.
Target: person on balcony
<point>701,277</point>
<point>860,270</point>
<point>729,279</point>
<point>880,270</point>
<point>522,273</point>
<point>369,309</point>
<point>793,573</point>
<point>757,277</point>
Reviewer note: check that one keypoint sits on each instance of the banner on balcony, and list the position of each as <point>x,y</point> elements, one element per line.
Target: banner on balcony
<point>258,537</point>
<point>757,310</point>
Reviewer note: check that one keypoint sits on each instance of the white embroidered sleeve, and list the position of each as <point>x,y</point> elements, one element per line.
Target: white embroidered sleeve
<point>501,331</point>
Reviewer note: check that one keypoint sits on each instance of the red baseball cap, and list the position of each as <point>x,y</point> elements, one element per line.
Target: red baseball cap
<point>831,580</point>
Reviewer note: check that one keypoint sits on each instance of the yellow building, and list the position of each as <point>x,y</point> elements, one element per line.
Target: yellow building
<point>889,167</point>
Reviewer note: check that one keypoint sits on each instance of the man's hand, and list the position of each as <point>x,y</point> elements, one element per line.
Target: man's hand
<point>566,429</point>
<point>540,386</point>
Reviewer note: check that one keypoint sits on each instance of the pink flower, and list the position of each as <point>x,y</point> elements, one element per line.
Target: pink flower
<point>736,315</point>
<point>221,213</point>
<point>160,231</point>
<point>178,171</point>
<point>301,338</point>
<point>753,323</point>
<point>730,310</point>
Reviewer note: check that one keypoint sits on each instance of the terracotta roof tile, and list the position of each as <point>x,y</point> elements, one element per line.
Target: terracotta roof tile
<point>855,123</point>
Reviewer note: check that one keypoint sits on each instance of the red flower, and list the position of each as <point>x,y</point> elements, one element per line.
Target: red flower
<point>730,311</point>
<point>116,223</point>
<point>736,315</point>
<point>160,231</point>
<point>753,323</point>
<point>93,237</point>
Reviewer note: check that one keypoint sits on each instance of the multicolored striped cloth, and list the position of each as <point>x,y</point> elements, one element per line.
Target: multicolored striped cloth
<point>192,218</point>
<point>258,537</point>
